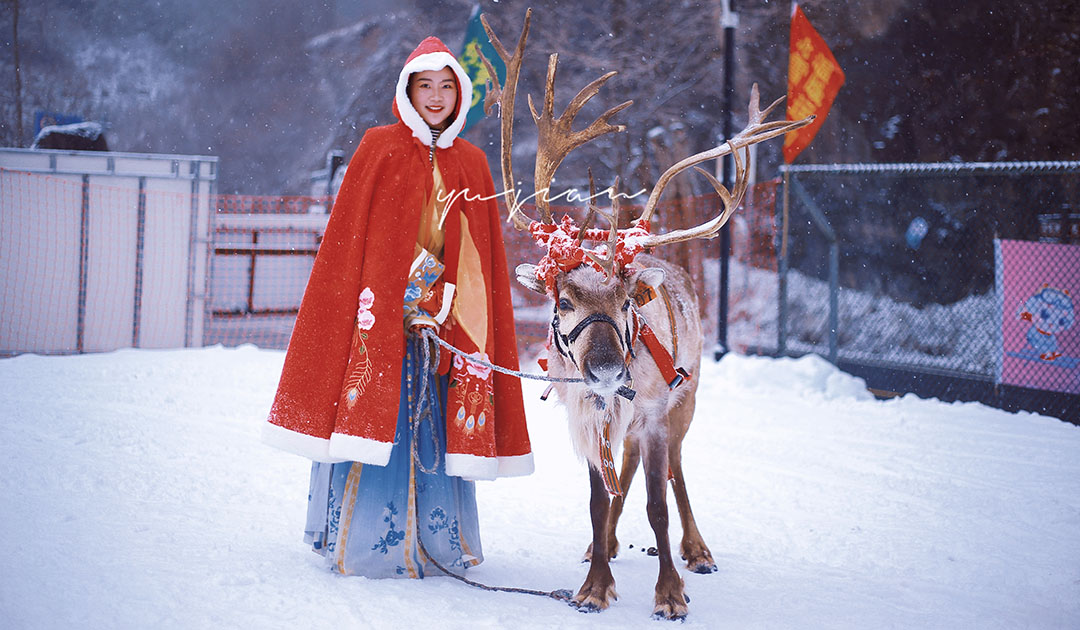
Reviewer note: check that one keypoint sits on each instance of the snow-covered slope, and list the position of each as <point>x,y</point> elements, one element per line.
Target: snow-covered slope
<point>135,494</point>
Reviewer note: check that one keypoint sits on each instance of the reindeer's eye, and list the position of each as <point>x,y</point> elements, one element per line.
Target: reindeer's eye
<point>565,305</point>
<point>626,305</point>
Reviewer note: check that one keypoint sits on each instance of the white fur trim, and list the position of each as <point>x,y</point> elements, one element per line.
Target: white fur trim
<point>309,446</point>
<point>411,117</point>
<point>516,465</point>
<point>471,466</point>
<point>360,449</point>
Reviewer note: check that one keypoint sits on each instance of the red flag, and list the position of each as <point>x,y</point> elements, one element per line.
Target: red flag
<point>814,78</point>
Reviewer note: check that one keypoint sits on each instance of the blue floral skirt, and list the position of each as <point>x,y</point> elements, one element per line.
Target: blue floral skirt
<point>365,519</point>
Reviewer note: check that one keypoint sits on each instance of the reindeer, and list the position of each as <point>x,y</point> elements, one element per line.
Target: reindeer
<point>620,319</point>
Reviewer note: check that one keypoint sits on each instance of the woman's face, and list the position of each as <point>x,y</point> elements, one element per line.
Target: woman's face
<point>434,94</point>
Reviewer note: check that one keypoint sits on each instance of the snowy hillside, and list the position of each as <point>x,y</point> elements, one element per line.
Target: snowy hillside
<point>136,494</point>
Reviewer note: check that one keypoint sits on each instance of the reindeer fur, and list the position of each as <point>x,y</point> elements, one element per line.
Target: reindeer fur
<point>651,428</point>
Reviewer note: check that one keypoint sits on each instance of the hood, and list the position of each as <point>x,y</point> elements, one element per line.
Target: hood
<point>432,54</point>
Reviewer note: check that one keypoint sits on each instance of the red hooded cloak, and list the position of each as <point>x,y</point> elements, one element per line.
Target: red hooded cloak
<point>339,391</point>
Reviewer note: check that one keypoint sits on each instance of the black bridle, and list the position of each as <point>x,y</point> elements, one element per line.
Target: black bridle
<point>562,342</point>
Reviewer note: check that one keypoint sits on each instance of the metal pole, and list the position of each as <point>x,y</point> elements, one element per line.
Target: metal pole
<point>208,257</point>
<point>140,262</point>
<point>192,268</point>
<point>251,271</point>
<point>84,265</point>
<point>729,20</point>
<point>782,315</point>
<point>834,299</point>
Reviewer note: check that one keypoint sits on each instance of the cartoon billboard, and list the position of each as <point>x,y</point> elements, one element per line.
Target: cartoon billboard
<point>1038,285</point>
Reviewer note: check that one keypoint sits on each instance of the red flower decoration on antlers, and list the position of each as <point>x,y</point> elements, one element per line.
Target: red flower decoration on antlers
<point>565,251</point>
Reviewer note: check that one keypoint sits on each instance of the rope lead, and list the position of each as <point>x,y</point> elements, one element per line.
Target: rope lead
<point>428,333</point>
<point>562,594</point>
<point>422,410</point>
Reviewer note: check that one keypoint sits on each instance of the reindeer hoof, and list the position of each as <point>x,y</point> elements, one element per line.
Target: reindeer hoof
<point>671,600</point>
<point>591,604</point>
<point>594,597</point>
<point>698,559</point>
<point>587,608</point>
<point>662,616</point>
<point>671,610</point>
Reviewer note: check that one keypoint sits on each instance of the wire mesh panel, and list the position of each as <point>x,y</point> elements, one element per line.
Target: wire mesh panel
<point>98,261</point>
<point>916,274</point>
<point>40,262</point>
<point>264,250</point>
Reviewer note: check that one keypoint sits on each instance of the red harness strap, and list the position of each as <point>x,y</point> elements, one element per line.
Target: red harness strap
<point>673,376</point>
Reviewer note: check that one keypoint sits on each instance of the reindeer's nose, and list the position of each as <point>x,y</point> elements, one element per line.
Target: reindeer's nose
<point>603,372</point>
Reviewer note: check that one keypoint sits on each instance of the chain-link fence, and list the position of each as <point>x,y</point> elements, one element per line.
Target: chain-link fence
<point>891,272</point>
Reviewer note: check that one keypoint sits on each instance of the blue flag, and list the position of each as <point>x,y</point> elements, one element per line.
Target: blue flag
<point>475,41</point>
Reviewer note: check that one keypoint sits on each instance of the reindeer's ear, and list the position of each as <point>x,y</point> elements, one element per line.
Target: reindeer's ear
<point>653,276</point>
<point>526,275</point>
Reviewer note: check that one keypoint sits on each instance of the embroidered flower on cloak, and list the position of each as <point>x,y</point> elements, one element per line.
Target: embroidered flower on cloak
<point>364,318</point>
<point>476,369</point>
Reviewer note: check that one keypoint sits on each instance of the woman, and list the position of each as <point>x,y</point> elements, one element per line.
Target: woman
<point>395,257</point>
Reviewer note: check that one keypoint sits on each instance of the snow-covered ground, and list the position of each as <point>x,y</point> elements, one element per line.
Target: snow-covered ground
<point>135,494</point>
<point>959,337</point>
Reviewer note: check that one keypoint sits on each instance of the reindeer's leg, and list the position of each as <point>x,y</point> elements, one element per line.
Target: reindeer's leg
<point>670,599</point>
<point>631,458</point>
<point>693,548</point>
<point>598,591</point>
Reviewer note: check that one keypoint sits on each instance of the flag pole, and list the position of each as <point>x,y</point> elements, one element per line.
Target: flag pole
<point>781,324</point>
<point>781,327</point>
<point>814,79</point>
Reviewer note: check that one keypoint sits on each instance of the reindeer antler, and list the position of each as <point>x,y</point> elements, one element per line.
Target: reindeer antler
<point>756,130</point>
<point>590,215</point>
<point>555,139</point>
<point>505,95</point>
<point>606,262</point>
